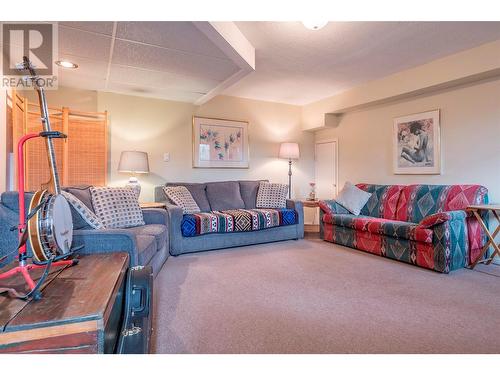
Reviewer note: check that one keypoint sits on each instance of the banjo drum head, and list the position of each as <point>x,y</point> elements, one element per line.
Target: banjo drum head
<point>62,224</point>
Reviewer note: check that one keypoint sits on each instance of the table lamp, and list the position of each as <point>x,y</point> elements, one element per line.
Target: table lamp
<point>134,162</point>
<point>289,151</point>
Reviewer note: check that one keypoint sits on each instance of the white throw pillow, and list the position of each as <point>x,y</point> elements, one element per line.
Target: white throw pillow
<point>352,198</point>
<point>181,197</point>
<point>271,195</point>
<point>87,215</point>
<point>117,207</point>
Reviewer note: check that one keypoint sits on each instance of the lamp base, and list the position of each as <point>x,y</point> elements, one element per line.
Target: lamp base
<point>133,183</point>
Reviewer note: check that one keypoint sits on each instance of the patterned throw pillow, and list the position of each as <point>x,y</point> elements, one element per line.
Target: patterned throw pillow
<point>271,195</point>
<point>86,214</point>
<point>117,207</point>
<point>181,197</point>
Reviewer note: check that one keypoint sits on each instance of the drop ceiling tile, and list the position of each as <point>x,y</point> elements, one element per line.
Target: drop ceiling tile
<point>160,80</point>
<point>182,36</point>
<point>96,27</point>
<point>84,44</point>
<point>67,79</point>
<point>174,95</point>
<point>165,60</point>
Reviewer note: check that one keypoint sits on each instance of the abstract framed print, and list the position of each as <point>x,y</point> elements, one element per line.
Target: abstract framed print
<point>417,143</point>
<point>220,143</point>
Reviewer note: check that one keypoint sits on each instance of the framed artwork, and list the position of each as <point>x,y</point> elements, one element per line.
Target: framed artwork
<point>417,143</point>
<point>219,143</point>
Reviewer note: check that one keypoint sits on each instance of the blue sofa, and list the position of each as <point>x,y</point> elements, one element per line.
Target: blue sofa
<point>220,196</point>
<point>146,245</point>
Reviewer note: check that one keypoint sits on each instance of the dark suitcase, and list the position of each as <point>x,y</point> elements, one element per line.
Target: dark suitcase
<point>135,335</point>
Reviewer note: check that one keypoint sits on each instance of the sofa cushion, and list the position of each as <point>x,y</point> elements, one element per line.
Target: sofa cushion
<point>390,228</point>
<point>146,248</point>
<point>249,190</point>
<point>383,202</point>
<point>117,207</point>
<point>352,198</point>
<point>181,197</point>
<point>271,195</point>
<point>158,231</point>
<point>236,221</point>
<point>198,192</point>
<point>419,201</point>
<point>224,195</point>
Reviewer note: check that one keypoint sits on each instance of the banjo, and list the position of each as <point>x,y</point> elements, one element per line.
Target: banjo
<point>50,229</point>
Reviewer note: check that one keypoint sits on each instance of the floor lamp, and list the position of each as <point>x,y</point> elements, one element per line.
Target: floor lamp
<point>291,152</point>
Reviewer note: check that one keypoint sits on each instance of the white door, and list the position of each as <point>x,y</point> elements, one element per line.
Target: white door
<point>326,169</point>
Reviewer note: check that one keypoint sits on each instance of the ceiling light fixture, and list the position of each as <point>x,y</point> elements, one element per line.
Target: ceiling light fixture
<point>314,25</point>
<point>66,64</point>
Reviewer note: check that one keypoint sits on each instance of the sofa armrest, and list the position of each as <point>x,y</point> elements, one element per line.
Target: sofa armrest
<point>175,215</point>
<point>331,206</point>
<point>297,206</point>
<point>441,217</point>
<point>106,241</point>
<point>8,237</point>
<point>155,216</point>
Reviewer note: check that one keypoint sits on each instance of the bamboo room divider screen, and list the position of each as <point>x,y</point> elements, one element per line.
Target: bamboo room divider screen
<point>81,158</point>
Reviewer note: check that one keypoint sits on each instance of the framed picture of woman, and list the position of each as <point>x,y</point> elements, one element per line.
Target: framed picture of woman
<point>416,144</point>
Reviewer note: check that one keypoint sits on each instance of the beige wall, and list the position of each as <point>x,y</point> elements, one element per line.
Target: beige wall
<point>77,99</point>
<point>470,133</point>
<point>159,126</point>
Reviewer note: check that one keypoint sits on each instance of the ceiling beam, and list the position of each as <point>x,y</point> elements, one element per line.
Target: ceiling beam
<point>231,41</point>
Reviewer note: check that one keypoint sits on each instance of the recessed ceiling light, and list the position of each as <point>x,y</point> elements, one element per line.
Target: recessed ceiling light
<point>314,25</point>
<point>67,64</point>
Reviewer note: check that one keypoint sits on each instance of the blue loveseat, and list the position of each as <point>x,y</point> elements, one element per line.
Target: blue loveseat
<point>146,245</point>
<point>224,221</point>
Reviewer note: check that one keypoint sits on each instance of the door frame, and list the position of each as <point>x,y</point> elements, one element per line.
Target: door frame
<point>330,140</point>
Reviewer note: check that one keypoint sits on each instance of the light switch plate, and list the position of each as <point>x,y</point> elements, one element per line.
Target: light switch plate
<point>166,156</point>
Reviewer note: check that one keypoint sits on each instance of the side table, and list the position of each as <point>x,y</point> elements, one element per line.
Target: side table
<point>314,227</point>
<point>487,208</point>
<point>152,205</point>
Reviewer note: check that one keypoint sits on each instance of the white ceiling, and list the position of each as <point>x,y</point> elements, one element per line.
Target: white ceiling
<point>298,66</point>
<point>168,60</point>
<point>176,61</point>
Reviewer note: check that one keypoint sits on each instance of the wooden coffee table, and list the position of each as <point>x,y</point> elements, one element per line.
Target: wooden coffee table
<point>477,210</point>
<point>79,312</point>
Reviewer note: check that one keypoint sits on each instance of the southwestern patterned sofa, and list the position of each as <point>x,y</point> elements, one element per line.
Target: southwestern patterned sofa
<point>424,225</point>
<point>228,218</point>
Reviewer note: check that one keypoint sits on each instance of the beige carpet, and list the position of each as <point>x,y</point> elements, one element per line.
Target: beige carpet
<point>310,296</point>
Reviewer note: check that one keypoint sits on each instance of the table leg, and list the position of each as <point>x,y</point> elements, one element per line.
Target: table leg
<point>491,238</point>
<point>495,245</point>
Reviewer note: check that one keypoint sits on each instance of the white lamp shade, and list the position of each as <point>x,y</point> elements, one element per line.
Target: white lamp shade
<point>134,162</point>
<point>289,151</point>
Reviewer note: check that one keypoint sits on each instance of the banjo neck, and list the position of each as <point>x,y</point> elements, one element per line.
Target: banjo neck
<point>46,124</point>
